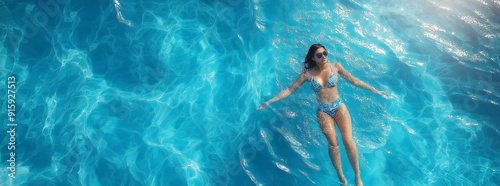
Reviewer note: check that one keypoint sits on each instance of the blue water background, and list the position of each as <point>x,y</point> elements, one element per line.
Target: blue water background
<point>123,92</point>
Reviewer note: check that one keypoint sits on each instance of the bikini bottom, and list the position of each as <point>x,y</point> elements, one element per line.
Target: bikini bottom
<point>330,108</point>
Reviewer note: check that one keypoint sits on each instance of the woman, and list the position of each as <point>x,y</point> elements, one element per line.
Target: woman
<point>323,79</point>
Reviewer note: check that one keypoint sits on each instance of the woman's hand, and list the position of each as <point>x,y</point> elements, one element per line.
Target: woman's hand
<point>379,92</point>
<point>263,106</point>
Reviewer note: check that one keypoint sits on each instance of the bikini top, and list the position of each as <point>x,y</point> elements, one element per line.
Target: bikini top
<point>333,80</point>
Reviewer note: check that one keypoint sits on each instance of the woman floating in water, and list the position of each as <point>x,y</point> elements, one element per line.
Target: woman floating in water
<point>323,79</point>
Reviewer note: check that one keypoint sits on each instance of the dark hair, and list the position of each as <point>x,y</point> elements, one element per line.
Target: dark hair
<point>309,62</point>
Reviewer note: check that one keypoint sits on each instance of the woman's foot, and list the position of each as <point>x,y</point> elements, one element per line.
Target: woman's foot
<point>358,181</point>
<point>342,180</point>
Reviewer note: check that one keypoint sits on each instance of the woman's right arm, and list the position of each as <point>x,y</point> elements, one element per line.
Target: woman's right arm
<point>303,77</point>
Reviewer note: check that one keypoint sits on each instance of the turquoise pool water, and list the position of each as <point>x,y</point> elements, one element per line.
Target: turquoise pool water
<point>123,92</point>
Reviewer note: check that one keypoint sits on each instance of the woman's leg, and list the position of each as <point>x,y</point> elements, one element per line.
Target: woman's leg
<point>343,120</point>
<point>328,128</point>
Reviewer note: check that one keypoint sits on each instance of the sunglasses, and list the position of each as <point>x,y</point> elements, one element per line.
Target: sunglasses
<point>319,55</point>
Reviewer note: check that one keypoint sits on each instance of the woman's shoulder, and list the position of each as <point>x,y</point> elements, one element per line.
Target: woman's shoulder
<point>336,65</point>
<point>306,73</point>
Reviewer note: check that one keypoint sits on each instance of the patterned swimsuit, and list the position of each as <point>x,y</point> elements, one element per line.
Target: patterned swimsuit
<point>332,107</point>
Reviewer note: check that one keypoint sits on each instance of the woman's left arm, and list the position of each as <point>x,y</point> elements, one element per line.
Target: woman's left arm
<point>355,81</point>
